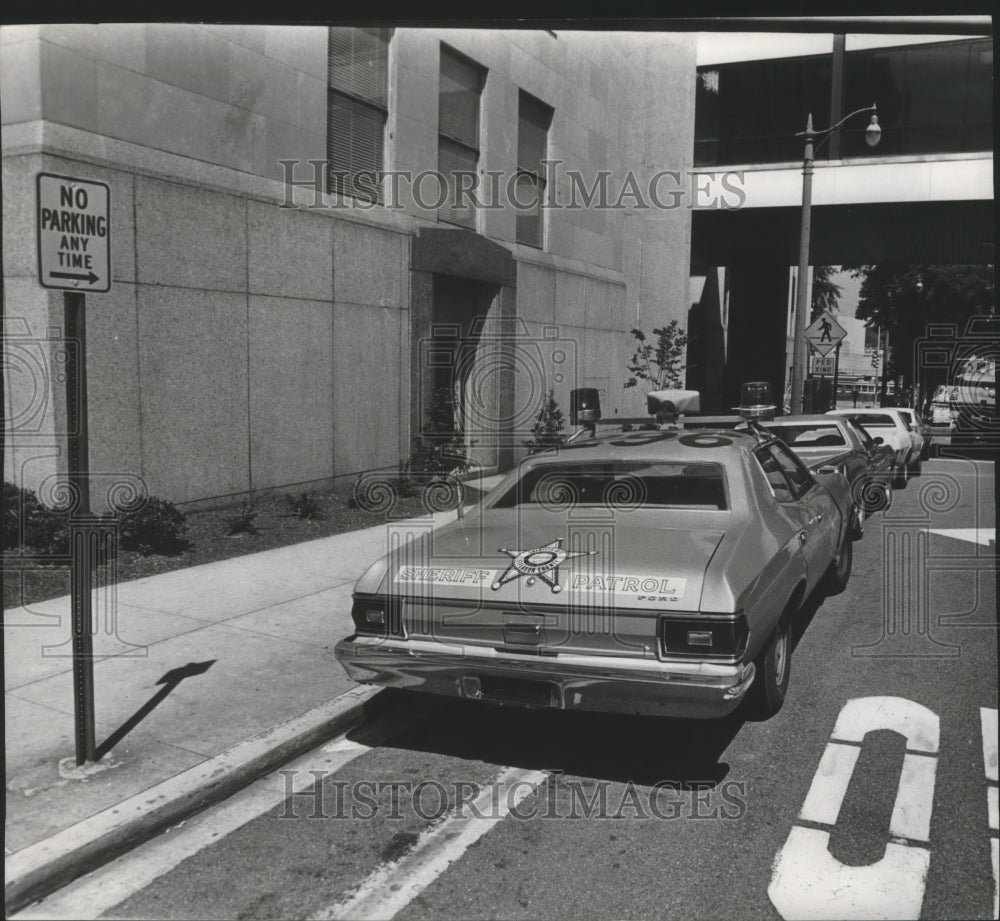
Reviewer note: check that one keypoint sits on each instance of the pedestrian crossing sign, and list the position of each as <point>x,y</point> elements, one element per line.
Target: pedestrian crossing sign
<point>824,334</point>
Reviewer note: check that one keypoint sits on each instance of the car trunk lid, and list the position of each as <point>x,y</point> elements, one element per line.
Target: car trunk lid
<point>587,586</point>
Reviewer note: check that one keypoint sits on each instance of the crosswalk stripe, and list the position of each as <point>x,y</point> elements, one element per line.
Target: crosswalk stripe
<point>988,721</point>
<point>392,886</point>
<point>106,887</point>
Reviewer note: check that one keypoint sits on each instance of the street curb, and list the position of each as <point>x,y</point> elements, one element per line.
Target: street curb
<point>37,870</point>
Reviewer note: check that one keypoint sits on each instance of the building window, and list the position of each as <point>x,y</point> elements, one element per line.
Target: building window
<point>357,110</point>
<point>533,121</point>
<point>932,99</point>
<point>458,135</point>
<point>935,98</point>
<point>749,111</point>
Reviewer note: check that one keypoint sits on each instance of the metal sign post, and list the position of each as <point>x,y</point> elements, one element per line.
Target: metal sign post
<point>82,547</point>
<point>836,374</point>
<point>74,254</point>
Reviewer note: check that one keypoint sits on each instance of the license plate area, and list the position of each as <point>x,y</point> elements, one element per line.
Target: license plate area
<point>525,693</point>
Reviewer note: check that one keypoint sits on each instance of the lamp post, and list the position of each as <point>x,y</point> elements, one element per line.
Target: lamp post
<point>873,133</point>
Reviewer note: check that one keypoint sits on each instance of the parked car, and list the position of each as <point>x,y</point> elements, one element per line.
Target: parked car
<point>941,409</point>
<point>880,452</point>
<point>887,424</point>
<point>921,437</point>
<point>977,424</point>
<point>654,572</point>
<point>826,442</point>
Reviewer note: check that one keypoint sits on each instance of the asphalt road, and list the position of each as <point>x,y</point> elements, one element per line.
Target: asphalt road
<point>866,796</point>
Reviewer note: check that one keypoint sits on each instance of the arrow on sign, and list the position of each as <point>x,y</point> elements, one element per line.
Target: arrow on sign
<point>91,278</point>
<point>984,536</point>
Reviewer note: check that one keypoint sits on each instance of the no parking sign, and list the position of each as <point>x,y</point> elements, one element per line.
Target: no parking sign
<point>74,233</point>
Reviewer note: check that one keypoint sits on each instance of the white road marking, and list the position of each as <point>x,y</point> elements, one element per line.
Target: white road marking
<point>984,536</point>
<point>988,721</point>
<point>392,886</point>
<point>807,881</point>
<point>810,883</point>
<point>911,814</point>
<point>862,715</point>
<point>96,893</point>
<point>830,782</point>
<point>995,855</point>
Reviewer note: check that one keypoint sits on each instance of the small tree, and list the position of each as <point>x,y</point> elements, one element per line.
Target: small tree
<point>662,364</point>
<point>825,292</point>
<point>547,432</point>
<point>442,448</point>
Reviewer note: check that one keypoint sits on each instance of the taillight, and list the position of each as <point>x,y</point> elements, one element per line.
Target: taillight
<point>377,615</point>
<point>710,635</point>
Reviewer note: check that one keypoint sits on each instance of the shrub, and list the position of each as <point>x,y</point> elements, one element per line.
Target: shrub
<point>442,457</point>
<point>156,527</point>
<point>14,500</point>
<point>547,431</point>
<point>443,450</point>
<point>305,506</point>
<point>46,529</point>
<point>30,524</point>
<point>243,523</point>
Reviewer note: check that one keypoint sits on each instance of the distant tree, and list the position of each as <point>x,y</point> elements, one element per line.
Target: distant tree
<point>825,292</point>
<point>904,299</point>
<point>662,364</point>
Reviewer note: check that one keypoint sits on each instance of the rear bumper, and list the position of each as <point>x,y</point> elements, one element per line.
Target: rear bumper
<point>611,684</point>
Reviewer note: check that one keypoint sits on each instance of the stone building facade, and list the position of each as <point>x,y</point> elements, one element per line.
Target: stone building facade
<point>263,333</point>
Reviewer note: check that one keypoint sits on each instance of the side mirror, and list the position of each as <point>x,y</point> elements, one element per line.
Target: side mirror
<point>879,440</point>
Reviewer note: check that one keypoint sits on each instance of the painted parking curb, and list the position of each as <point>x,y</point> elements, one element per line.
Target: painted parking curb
<point>35,871</point>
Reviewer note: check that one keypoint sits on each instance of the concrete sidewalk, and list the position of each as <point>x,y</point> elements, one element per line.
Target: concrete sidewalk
<point>204,678</point>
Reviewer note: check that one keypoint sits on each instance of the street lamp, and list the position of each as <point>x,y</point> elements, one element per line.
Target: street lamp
<point>873,134</point>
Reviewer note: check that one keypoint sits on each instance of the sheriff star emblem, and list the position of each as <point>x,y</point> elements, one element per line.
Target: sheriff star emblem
<point>542,562</point>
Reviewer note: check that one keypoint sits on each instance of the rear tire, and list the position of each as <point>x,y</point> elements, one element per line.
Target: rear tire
<point>839,573</point>
<point>773,672</point>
